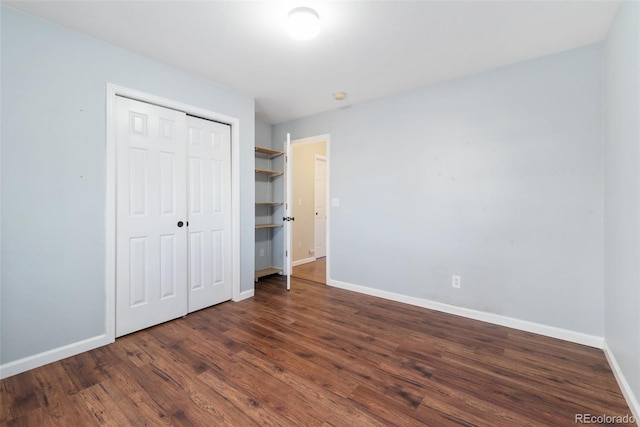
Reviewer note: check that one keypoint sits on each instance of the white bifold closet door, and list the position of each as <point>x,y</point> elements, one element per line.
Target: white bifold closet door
<point>209,165</point>
<point>173,216</point>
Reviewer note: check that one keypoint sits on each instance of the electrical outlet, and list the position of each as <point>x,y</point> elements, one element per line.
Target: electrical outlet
<point>456,282</point>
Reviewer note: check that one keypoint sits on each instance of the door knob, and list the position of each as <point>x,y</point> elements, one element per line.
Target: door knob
<point>180,223</point>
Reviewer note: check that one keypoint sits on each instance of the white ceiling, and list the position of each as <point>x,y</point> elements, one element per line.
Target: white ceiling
<point>368,49</point>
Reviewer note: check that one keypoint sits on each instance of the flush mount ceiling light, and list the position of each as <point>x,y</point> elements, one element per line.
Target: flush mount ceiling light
<point>303,23</point>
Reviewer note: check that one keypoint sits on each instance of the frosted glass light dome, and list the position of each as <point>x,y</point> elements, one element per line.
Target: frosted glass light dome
<point>303,23</point>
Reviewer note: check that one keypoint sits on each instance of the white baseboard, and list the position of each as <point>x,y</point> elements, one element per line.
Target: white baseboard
<point>510,322</point>
<point>303,261</point>
<point>41,359</point>
<point>632,399</point>
<point>246,294</point>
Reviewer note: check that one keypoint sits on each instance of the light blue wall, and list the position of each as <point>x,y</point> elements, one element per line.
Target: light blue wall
<point>497,177</point>
<point>53,176</point>
<point>263,134</point>
<point>622,192</point>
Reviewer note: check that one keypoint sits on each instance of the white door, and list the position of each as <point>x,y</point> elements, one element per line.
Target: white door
<point>288,235</point>
<point>151,210</point>
<point>209,145</point>
<point>320,207</point>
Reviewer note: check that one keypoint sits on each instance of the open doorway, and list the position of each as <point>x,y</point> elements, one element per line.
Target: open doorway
<point>309,197</point>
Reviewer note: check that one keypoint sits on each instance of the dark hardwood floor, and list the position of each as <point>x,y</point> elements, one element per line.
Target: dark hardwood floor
<point>318,356</point>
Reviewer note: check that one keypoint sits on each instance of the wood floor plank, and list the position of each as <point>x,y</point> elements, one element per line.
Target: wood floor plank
<point>324,400</point>
<point>157,402</point>
<point>57,415</point>
<point>392,413</point>
<point>132,349</point>
<point>267,391</point>
<point>208,406</point>
<point>295,359</point>
<point>528,375</point>
<point>132,386</point>
<point>85,369</point>
<point>318,356</point>
<point>20,395</point>
<point>260,414</point>
<point>109,406</point>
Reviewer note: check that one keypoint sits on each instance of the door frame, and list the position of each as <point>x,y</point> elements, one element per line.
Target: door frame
<point>113,90</point>
<point>326,138</point>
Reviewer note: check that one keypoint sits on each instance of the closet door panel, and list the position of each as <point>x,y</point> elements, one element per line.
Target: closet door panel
<point>209,145</point>
<point>151,256</point>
